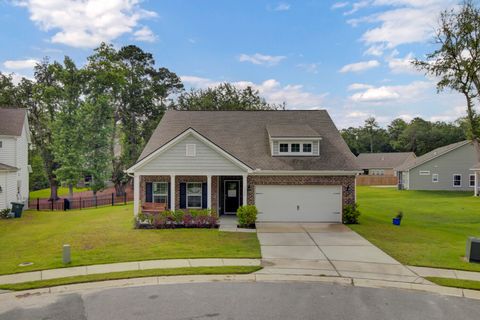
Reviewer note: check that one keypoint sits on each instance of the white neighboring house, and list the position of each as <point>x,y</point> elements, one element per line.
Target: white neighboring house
<point>14,168</point>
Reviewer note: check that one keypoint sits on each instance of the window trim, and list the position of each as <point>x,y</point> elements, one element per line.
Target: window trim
<point>159,194</point>
<point>424,172</point>
<point>470,180</point>
<point>194,195</point>
<point>301,143</point>
<point>433,177</point>
<point>453,182</point>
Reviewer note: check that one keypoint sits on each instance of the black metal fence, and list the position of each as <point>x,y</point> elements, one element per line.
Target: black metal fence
<point>80,202</point>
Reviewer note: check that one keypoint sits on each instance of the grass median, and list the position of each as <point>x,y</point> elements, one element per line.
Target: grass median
<point>455,283</point>
<point>130,274</point>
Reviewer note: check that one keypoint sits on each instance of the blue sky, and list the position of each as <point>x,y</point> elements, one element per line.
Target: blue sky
<point>349,57</point>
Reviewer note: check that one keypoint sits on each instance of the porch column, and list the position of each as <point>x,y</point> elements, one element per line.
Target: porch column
<point>172,192</point>
<point>244,189</point>
<point>209,191</point>
<point>136,193</point>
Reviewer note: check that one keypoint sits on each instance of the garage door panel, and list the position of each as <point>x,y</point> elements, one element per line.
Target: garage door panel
<point>298,203</point>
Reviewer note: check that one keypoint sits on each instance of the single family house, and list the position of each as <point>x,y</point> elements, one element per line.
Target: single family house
<point>293,165</point>
<point>14,168</point>
<point>445,168</point>
<point>383,163</point>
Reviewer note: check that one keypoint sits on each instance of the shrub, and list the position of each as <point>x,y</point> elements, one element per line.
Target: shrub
<point>247,215</point>
<point>351,214</point>
<point>178,215</point>
<point>5,214</point>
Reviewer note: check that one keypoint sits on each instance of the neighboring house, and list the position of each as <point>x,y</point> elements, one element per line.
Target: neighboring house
<point>14,168</point>
<point>445,168</point>
<point>293,165</point>
<point>383,164</point>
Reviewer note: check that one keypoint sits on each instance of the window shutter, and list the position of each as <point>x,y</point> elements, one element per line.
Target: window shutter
<point>204,195</point>
<point>183,195</point>
<point>169,197</point>
<point>148,192</point>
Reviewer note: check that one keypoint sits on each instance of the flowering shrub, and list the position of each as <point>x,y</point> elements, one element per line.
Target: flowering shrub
<point>204,218</point>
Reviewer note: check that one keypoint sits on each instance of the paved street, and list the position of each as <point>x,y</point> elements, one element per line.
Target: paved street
<point>241,301</point>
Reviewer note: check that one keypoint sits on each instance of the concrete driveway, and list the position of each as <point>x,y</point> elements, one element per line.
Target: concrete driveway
<point>326,249</point>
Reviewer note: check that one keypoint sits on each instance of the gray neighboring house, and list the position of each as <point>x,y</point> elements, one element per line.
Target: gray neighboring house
<point>383,163</point>
<point>293,165</point>
<point>445,168</point>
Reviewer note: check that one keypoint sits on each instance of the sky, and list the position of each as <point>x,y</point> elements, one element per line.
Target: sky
<point>351,58</point>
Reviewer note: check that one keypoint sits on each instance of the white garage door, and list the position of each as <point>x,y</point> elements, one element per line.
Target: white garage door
<point>299,203</point>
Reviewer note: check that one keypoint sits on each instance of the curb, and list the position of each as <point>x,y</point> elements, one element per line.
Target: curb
<point>168,280</point>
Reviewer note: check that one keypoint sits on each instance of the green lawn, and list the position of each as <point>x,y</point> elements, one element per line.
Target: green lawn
<point>106,235</point>
<point>434,228</point>
<point>128,275</point>
<point>45,193</point>
<point>455,283</point>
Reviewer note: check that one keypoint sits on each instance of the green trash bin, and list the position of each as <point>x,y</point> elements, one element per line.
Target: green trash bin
<point>17,208</point>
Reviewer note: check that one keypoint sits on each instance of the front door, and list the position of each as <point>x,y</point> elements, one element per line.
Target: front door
<point>232,196</point>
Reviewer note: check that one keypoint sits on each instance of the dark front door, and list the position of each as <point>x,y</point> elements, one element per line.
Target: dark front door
<point>232,196</point>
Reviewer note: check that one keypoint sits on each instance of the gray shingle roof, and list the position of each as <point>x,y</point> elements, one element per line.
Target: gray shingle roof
<point>243,134</point>
<point>6,167</point>
<point>431,155</point>
<point>383,160</point>
<point>11,121</point>
<point>291,131</point>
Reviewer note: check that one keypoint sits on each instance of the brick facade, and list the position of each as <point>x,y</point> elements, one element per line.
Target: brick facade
<point>347,183</point>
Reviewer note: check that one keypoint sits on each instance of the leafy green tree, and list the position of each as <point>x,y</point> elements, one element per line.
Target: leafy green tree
<point>457,60</point>
<point>68,139</point>
<point>371,127</point>
<point>224,97</point>
<point>395,129</point>
<point>8,92</point>
<point>38,177</point>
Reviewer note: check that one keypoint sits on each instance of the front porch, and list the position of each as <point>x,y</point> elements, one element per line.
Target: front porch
<point>222,194</point>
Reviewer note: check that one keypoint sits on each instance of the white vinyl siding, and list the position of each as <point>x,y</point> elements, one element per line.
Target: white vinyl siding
<point>8,182</point>
<point>8,154</point>
<point>275,146</point>
<point>175,160</point>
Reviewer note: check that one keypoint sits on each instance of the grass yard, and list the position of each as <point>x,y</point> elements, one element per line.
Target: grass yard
<point>455,283</point>
<point>45,193</point>
<point>434,228</point>
<point>106,235</point>
<point>129,275</point>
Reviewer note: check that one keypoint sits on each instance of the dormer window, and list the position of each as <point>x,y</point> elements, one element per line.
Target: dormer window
<point>293,140</point>
<point>296,148</point>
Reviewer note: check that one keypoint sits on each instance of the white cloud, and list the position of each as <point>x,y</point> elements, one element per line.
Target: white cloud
<point>402,65</point>
<point>359,86</point>
<point>357,6</point>
<point>450,115</point>
<point>20,64</point>
<point>309,67</point>
<point>402,21</point>
<point>400,93</point>
<point>282,6</point>
<point>86,23</point>
<point>145,34</point>
<point>295,96</point>
<point>357,114</point>
<point>339,5</point>
<point>360,66</point>
<point>375,50</point>
<point>261,59</point>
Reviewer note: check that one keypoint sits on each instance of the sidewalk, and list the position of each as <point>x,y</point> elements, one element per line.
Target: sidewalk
<point>124,266</point>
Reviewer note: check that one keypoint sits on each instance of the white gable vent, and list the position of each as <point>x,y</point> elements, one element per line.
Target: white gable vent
<point>191,150</point>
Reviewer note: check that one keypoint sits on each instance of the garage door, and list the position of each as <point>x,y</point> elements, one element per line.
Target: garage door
<point>299,203</point>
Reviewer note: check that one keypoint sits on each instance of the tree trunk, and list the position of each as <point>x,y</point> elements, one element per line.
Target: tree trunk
<point>70,191</point>
<point>53,189</point>
<point>472,120</point>
<point>119,189</point>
